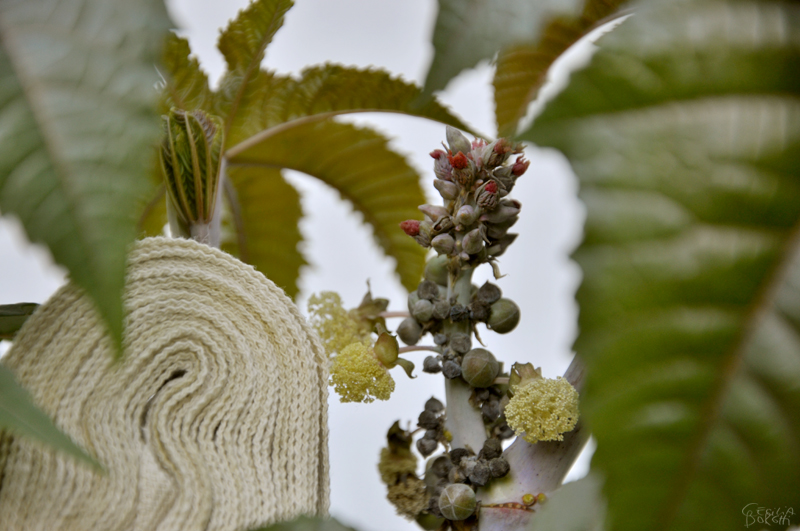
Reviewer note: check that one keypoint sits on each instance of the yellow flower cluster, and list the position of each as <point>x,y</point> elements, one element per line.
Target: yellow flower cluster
<point>358,376</point>
<point>336,327</point>
<point>392,465</point>
<point>543,409</point>
<point>408,497</point>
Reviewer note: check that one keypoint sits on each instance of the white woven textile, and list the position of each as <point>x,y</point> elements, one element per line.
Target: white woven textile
<point>215,420</point>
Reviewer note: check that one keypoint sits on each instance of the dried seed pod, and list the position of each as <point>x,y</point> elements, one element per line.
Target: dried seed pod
<point>441,310</point>
<point>409,331</point>
<point>434,405</point>
<point>451,369</point>
<point>479,367</point>
<point>498,467</point>
<point>478,311</point>
<point>491,410</point>
<point>427,290</point>
<point>426,446</point>
<point>503,316</point>
<point>457,502</point>
<point>458,312</point>
<point>431,365</point>
<point>489,293</point>
<point>480,474</point>
<point>428,420</point>
<point>456,475</point>
<point>439,338</point>
<point>491,448</point>
<point>460,343</point>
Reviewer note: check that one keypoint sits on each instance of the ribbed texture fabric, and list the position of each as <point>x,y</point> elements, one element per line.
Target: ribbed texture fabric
<point>215,420</point>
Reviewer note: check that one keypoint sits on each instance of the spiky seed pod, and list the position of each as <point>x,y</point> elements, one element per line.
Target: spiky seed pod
<point>479,367</point>
<point>457,502</point>
<point>503,316</point>
<point>409,331</point>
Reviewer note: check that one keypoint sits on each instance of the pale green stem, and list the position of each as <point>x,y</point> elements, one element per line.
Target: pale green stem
<point>463,421</point>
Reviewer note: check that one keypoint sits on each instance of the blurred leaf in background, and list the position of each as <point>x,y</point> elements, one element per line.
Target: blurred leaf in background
<point>685,132</point>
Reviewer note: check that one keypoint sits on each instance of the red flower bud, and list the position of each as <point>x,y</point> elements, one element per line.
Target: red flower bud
<point>459,162</point>
<point>502,147</point>
<point>520,166</point>
<point>410,227</point>
<point>491,187</point>
<point>436,154</point>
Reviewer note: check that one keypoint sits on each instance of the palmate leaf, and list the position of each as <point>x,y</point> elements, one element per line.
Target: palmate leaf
<point>185,83</point>
<point>242,44</point>
<point>20,416</point>
<point>469,31</point>
<point>76,130</point>
<point>265,214</point>
<point>358,164</point>
<point>684,132</point>
<point>13,316</point>
<point>522,68</point>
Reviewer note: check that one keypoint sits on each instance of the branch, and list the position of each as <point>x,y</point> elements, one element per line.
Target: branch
<point>535,468</point>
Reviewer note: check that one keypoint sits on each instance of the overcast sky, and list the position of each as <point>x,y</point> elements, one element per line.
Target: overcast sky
<point>394,36</point>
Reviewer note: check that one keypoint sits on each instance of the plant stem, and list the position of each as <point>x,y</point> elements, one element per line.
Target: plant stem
<point>414,348</point>
<point>464,422</point>
<point>389,315</point>
<point>535,468</point>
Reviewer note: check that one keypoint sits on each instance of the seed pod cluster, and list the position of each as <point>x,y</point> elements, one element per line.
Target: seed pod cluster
<point>432,421</point>
<point>474,180</point>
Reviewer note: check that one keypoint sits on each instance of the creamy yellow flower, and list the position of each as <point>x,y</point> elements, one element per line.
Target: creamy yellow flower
<point>543,409</point>
<point>335,326</point>
<point>358,376</point>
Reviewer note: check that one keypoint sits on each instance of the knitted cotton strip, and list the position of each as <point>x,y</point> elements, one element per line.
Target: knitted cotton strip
<point>215,420</point>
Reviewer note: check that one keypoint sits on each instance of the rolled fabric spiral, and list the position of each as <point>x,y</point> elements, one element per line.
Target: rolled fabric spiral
<point>215,419</point>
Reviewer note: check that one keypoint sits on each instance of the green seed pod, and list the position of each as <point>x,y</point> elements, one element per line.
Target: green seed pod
<point>422,310</point>
<point>479,367</point>
<point>386,350</point>
<point>441,310</point>
<point>444,244</point>
<point>413,297</point>
<point>409,331</point>
<point>503,316</point>
<point>457,502</point>
<point>436,270</point>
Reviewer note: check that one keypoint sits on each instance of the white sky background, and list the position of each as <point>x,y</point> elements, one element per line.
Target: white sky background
<point>395,36</point>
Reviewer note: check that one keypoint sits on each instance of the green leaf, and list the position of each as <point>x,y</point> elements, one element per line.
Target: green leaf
<point>577,506</point>
<point>265,213</point>
<point>684,132</point>
<point>76,131</point>
<point>243,44</point>
<point>306,523</point>
<point>522,68</point>
<point>20,416</point>
<point>335,88</point>
<point>13,316</point>
<point>358,163</point>
<point>186,85</point>
<point>470,31</point>
<point>154,215</point>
